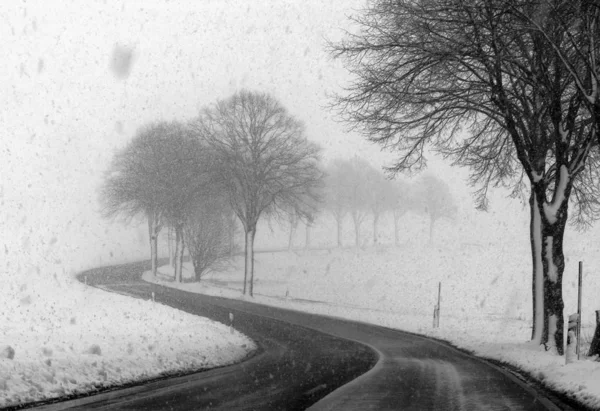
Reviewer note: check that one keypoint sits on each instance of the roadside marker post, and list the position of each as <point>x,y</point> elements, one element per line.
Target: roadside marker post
<point>439,302</point>
<point>436,309</point>
<point>153,300</point>
<point>578,349</point>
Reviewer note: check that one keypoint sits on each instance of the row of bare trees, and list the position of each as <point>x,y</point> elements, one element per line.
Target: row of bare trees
<point>508,88</point>
<point>244,156</point>
<point>355,188</point>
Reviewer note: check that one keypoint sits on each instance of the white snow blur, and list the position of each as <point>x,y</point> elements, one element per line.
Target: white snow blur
<point>68,338</point>
<point>485,306</point>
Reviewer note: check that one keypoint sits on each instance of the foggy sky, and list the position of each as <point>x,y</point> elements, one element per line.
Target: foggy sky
<point>68,105</point>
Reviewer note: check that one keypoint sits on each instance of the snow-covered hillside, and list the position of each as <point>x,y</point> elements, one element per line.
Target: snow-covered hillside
<point>66,338</point>
<point>485,304</point>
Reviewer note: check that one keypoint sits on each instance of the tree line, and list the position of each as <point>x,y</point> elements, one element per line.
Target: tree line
<point>241,159</point>
<point>243,156</point>
<point>355,189</point>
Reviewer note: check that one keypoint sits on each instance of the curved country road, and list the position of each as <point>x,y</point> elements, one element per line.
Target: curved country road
<point>311,361</point>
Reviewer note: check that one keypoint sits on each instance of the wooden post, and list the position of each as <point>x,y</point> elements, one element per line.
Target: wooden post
<point>438,304</point>
<point>579,310</point>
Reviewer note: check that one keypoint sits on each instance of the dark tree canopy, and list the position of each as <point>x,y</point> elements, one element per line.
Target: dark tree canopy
<point>470,80</point>
<point>159,173</point>
<point>487,84</point>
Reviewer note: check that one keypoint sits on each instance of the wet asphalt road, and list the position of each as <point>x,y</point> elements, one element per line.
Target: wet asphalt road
<point>307,361</point>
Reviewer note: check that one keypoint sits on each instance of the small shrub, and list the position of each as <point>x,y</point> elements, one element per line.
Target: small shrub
<point>206,236</point>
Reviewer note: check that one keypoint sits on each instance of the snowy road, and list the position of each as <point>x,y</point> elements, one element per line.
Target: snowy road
<point>305,360</point>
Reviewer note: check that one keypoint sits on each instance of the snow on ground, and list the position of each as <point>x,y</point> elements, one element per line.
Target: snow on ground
<point>485,305</point>
<point>69,339</point>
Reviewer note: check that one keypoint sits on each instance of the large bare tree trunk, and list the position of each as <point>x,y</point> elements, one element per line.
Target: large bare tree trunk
<point>179,246</point>
<point>249,262</point>
<point>553,260</point>
<point>307,240</point>
<point>554,219</point>
<point>537,283</point>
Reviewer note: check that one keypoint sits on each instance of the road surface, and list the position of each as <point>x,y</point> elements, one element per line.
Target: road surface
<point>315,362</point>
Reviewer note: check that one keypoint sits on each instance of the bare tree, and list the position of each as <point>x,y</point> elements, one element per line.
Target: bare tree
<point>315,205</point>
<point>357,183</point>
<point>435,199</point>
<point>337,197</point>
<point>207,236</point>
<point>572,29</point>
<point>480,83</point>
<point>267,164</point>
<point>303,211</point>
<point>403,201</point>
<point>381,197</point>
<point>348,191</point>
<point>188,175</point>
<point>134,183</point>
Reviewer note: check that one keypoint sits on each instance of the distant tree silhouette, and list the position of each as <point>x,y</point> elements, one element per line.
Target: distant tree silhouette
<point>436,200</point>
<point>337,199</point>
<point>404,200</point>
<point>381,197</point>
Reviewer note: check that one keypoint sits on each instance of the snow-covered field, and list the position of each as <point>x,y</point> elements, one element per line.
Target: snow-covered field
<point>485,306</point>
<point>66,338</point>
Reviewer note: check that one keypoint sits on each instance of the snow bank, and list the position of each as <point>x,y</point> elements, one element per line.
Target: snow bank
<point>70,339</point>
<point>486,299</point>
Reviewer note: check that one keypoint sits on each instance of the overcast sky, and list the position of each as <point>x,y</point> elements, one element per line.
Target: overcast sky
<point>66,110</point>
